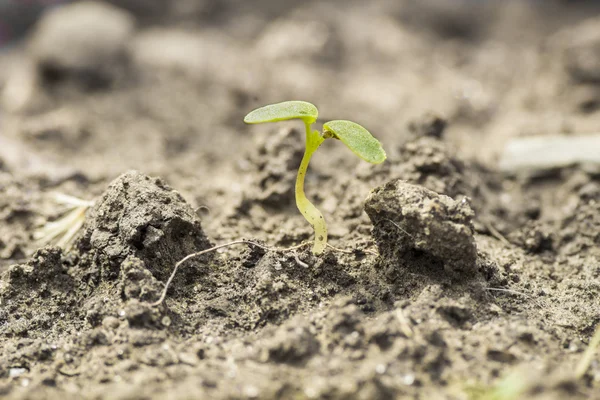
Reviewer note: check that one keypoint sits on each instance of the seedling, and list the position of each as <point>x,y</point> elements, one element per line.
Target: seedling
<point>357,138</point>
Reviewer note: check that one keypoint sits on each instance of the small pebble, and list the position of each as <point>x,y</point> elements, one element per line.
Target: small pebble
<point>16,372</point>
<point>408,379</point>
<point>251,391</point>
<point>84,36</point>
<point>380,369</point>
<point>188,359</point>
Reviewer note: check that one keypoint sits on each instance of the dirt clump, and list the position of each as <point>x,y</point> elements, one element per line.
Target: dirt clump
<point>133,236</point>
<point>425,158</point>
<point>294,342</point>
<point>142,217</point>
<point>17,204</point>
<point>42,284</point>
<point>533,237</point>
<point>582,52</point>
<point>408,217</point>
<point>579,231</point>
<point>274,165</point>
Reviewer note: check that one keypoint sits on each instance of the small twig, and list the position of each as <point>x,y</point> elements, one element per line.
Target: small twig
<point>351,251</point>
<point>404,324</point>
<point>509,291</point>
<point>340,250</point>
<point>69,374</point>
<point>206,251</point>
<point>588,355</point>
<point>399,227</point>
<point>495,233</point>
<point>299,261</point>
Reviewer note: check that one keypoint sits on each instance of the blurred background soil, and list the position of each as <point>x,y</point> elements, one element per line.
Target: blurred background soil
<point>91,90</point>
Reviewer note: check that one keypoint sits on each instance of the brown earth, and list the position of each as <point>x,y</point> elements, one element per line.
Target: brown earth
<point>449,278</point>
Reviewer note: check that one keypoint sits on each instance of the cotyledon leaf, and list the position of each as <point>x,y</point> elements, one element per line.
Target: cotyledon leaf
<point>357,138</point>
<point>283,111</point>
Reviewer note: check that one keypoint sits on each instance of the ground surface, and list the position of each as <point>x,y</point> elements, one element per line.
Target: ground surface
<point>433,297</point>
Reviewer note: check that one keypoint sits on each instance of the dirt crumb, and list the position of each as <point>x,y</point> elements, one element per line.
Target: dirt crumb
<point>425,158</point>
<point>429,125</point>
<point>293,343</point>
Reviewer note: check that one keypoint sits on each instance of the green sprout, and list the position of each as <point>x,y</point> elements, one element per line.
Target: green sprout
<point>357,138</point>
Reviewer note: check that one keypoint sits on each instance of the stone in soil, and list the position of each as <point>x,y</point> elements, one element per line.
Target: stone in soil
<point>83,41</point>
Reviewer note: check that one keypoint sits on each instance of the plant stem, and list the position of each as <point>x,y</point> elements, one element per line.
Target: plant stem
<point>308,210</point>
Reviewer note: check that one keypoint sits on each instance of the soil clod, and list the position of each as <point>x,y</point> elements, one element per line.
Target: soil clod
<point>141,217</point>
<point>276,164</point>
<point>409,218</point>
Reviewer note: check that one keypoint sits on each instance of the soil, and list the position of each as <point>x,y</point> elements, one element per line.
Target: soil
<point>447,279</point>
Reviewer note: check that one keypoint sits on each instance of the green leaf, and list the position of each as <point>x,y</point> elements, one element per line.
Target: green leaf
<point>357,138</point>
<point>282,112</point>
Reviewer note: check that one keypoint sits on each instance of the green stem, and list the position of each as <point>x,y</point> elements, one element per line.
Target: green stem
<point>308,210</point>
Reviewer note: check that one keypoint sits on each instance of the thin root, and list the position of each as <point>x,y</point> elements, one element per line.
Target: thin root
<point>351,251</point>
<point>206,251</point>
<point>496,233</point>
<point>516,292</point>
<point>235,242</point>
<point>399,227</point>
